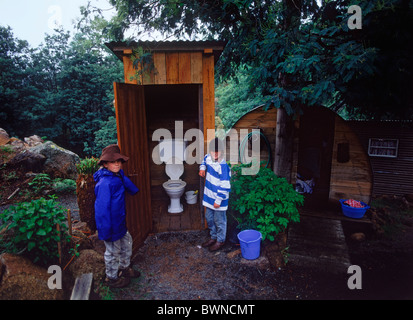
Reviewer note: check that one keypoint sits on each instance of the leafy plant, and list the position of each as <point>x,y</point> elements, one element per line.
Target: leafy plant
<point>263,202</point>
<point>40,182</point>
<point>64,185</point>
<point>30,227</point>
<point>11,176</point>
<point>88,166</point>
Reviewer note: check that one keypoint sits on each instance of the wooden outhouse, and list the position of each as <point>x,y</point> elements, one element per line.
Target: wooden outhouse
<point>324,147</point>
<point>176,90</point>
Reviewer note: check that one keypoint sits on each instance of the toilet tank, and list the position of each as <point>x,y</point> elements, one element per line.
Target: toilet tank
<point>172,148</point>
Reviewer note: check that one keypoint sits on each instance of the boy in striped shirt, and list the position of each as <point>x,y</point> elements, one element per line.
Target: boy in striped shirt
<point>217,176</point>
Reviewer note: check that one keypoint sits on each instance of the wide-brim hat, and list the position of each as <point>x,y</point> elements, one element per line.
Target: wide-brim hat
<point>112,153</point>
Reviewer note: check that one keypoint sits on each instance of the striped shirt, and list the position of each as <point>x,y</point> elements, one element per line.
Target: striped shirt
<point>217,183</point>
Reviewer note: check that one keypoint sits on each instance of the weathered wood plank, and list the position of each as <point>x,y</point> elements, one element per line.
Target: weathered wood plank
<point>159,62</point>
<point>82,287</point>
<point>184,67</point>
<point>208,95</point>
<point>172,68</point>
<point>128,70</point>
<point>196,67</point>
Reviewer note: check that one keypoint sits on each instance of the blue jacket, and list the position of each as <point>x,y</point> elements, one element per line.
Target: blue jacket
<point>110,211</point>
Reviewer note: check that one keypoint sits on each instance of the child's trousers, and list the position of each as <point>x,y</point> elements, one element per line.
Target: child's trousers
<point>117,255</point>
<point>217,224</point>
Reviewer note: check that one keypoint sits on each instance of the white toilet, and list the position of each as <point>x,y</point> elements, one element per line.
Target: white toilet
<point>172,152</point>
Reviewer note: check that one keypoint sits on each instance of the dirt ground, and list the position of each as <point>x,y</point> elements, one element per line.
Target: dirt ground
<point>174,266</point>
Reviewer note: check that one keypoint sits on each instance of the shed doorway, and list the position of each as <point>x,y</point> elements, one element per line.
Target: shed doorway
<point>316,140</point>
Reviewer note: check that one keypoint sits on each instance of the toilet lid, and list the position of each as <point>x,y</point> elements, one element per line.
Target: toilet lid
<point>174,171</point>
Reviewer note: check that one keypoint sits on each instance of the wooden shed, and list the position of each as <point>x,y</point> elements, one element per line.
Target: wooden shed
<point>324,147</point>
<point>177,89</point>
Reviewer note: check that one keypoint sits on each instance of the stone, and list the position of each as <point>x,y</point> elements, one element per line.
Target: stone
<point>60,163</point>
<point>33,141</point>
<point>23,280</point>
<point>17,145</point>
<point>28,161</point>
<point>4,137</point>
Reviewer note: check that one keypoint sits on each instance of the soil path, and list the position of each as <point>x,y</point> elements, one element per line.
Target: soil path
<point>174,266</point>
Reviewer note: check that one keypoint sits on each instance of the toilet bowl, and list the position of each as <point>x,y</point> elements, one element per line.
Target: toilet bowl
<point>174,187</point>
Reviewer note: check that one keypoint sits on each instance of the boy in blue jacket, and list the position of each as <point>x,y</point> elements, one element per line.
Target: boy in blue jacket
<point>217,176</point>
<point>110,216</point>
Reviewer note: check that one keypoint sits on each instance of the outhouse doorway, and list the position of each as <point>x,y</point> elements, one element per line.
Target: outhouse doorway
<point>144,110</point>
<point>176,90</point>
<point>178,109</point>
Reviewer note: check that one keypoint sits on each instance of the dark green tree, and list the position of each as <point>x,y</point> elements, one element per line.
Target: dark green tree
<point>300,52</point>
<point>62,90</point>
<point>15,88</point>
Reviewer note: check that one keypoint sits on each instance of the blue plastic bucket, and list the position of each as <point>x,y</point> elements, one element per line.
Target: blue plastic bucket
<point>250,242</point>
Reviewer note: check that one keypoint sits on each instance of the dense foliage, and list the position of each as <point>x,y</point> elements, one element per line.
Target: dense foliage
<point>263,202</point>
<point>30,228</point>
<point>62,90</point>
<point>297,51</point>
<point>285,53</point>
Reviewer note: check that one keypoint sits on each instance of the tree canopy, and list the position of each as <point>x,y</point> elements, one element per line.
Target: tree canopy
<point>61,90</point>
<point>298,52</point>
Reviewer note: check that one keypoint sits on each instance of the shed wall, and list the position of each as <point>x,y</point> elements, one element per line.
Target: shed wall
<point>391,176</point>
<point>349,179</point>
<point>353,178</point>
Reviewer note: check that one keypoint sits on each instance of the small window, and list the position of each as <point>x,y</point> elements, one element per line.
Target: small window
<point>383,147</point>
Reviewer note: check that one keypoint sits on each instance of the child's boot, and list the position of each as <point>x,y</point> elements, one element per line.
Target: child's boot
<point>129,272</point>
<point>120,282</point>
<point>209,243</point>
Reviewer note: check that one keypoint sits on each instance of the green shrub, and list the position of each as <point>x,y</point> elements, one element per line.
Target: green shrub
<point>30,228</point>
<point>40,182</point>
<point>61,186</point>
<point>88,166</point>
<point>263,202</point>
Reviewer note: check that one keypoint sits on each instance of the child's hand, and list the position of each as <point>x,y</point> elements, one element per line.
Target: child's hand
<point>216,205</point>
<point>202,173</point>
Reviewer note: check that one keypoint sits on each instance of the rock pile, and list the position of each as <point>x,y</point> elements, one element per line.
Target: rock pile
<point>32,154</point>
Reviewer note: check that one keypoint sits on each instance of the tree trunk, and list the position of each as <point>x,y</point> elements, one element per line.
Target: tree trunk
<point>284,139</point>
<point>284,142</point>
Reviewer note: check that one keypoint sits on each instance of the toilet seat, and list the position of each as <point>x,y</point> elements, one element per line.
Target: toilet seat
<point>174,171</point>
<point>174,185</point>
